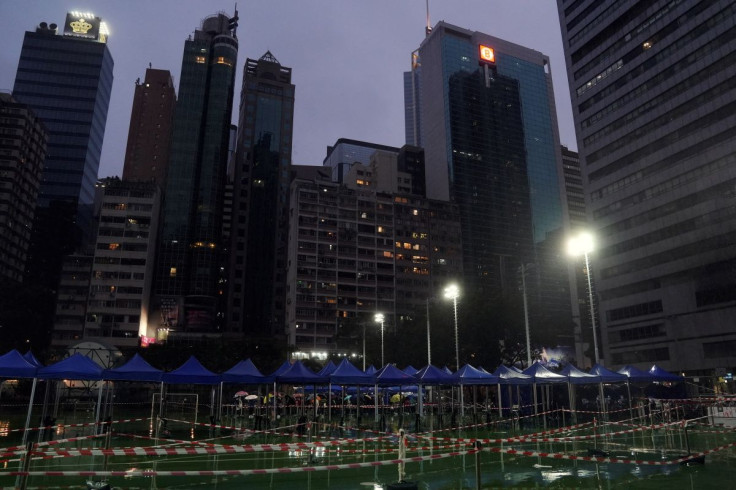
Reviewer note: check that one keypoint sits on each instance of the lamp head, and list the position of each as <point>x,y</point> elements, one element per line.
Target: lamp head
<point>452,291</point>
<point>581,244</point>
<point>379,317</point>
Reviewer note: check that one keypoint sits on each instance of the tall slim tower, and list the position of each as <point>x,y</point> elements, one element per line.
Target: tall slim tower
<point>188,284</point>
<point>654,101</point>
<point>66,80</point>
<point>259,235</point>
<point>149,135</point>
<point>483,108</point>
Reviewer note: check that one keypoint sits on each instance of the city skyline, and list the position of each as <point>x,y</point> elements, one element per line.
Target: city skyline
<point>376,39</point>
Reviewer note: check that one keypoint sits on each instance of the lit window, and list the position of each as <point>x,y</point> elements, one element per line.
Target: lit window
<point>113,246</point>
<point>221,60</point>
<point>388,254</point>
<point>172,272</point>
<point>415,212</point>
<point>199,59</point>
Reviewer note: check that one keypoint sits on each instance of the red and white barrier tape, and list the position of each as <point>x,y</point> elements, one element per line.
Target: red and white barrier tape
<point>264,471</point>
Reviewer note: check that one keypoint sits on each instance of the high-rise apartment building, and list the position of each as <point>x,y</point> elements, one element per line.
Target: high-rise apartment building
<point>654,107</point>
<point>188,284</point>
<point>22,153</point>
<point>111,296</point>
<point>66,79</point>
<point>260,202</point>
<point>149,135</point>
<point>483,109</point>
<point>362,246</point>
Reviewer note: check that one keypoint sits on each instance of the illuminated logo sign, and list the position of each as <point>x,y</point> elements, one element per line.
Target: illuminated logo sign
<point>82,24</point>
<point>487,54</point>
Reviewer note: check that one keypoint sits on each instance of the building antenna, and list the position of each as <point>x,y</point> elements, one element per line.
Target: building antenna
<point>428,29</point>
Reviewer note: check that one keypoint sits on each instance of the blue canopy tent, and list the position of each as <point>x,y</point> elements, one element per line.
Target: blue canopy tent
<point>14,365</point>
<point>509,376</point>
<point>577,377</point>
<point>389,375</point>
<point>74,367</point>
<point>136,369</point>
<point>540,374</point>
<point>606,375</point>
<point>191,372</point>
<point>469,375</point>
<point>28,356</point>
<point>245,372</point>
<point>410,370</point>
<point>659,374</point>
<point>636,375</point>
<point>327,369</point>
<point>347,374</point>
<point>431,375</point>
<point>371,370</point>
<point>298,373</point>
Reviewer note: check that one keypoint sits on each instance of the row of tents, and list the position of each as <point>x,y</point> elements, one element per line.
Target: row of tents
<point>78,367</point>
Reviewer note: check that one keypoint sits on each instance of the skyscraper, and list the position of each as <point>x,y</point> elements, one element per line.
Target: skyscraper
<point>66,80</point>
<point>653,95</point>
<point>188,286</point>
<point>259,228</point>
<point>22,153</point>
<point>149,135</point>
<point>483,108</point>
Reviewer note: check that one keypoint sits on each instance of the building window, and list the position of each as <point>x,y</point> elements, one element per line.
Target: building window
<point>199,59</point>
<point>172,272</point>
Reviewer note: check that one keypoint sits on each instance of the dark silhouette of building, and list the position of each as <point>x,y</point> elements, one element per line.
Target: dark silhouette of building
<point>22,153</point>
<point>259,228</point>
<point>187,286</point>
<point>149,135</point>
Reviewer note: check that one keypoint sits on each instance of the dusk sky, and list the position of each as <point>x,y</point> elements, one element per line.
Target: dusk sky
<point>347,56</point>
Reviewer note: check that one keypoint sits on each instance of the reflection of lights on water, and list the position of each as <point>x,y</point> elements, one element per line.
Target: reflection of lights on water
<point>4,428</point>
<point>59,429</point>
<point>191,433</point>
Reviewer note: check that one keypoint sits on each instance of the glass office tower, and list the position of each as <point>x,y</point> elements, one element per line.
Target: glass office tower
<point>654,102</point>
<point>484,110</point>
<point>259,236</point>
<point>66,79</point>
<point>188,283</point>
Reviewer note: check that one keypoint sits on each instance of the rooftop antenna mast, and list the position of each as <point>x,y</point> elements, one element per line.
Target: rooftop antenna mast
<point>428,29</point>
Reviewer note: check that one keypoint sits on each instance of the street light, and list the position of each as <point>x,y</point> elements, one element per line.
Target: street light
<point>453,292</point>
<point>583,245</point>
<point>379,318</point>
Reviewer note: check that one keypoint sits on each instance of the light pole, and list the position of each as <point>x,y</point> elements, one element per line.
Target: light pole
<point>379,318</point>
<point>363,346</point>
<point>583,245</point>
<point>526,317</point>
<point>453,292</point>
<point>429,350</point>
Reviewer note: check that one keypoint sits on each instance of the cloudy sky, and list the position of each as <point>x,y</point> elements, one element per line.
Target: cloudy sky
<point>347,56</point>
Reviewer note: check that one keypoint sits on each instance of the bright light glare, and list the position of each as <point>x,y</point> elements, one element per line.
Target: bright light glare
<point>581,244</point>
<point>452,291</point>
<point>379,317</point>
